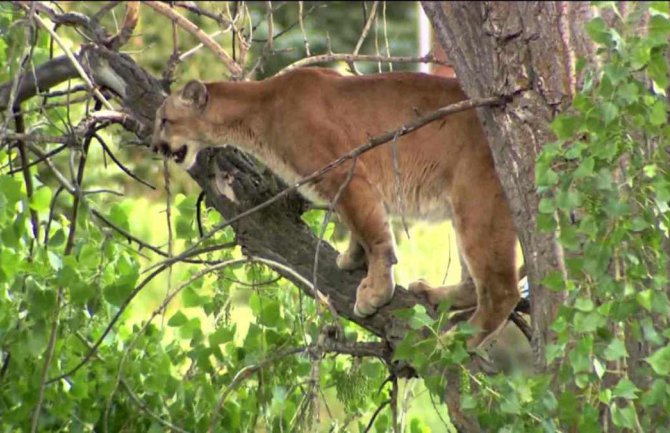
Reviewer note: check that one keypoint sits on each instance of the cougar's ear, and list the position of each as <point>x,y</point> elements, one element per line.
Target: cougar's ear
<point>194,93</point>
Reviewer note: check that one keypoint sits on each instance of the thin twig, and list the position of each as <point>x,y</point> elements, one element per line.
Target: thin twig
<point>69,245</point>
<point>168,212</point>
<point>333,57</point>
<point>143,407</point>
<point>187,25</point>
<point>374,415</point>
<point>394,405</point>
<point>302,27</point>
<point>269,44</point>
<point>125,304</point>
<point>25,166</point>
<point>74,61</point>
<point>193,7</point>
<point>364,34</point>
<point>386,36</point>
<point>198,212</point>
<point>119,164</point>
<point>246,373</point>
<point>326,220</point>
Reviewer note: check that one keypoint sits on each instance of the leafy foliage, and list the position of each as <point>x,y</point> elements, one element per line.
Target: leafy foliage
<point>223,344</point>
<point>606,189</point>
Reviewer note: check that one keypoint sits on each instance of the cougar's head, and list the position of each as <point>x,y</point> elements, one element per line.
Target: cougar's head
<point>180,129</point>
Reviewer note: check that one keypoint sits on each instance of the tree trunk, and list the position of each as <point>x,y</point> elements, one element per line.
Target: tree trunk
<point>525,51</point>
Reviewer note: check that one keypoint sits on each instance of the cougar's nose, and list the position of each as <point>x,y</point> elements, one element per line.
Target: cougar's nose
<point>161,147</point>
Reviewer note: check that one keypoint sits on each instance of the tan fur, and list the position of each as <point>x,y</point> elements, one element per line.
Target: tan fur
<point>298,122</point>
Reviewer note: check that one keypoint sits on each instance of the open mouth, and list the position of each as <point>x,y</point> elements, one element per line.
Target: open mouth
<point>180,154</point>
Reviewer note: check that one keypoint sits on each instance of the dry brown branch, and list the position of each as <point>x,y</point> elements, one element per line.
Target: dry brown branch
<point>129,23</point>
<point>193,7</point>
<point>349,58</point>
<point>73,19</point>
<point>73,59</point>
<point>181,21</point>
<point>364,34</point>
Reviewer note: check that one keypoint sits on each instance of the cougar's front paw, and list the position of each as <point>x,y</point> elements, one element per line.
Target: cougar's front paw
<point>372,294</point>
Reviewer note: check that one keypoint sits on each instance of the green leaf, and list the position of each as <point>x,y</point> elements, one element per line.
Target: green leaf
<point>640,55</point>
<point>546,206</point>
<point>658,69</point>
<point>658,114</point>
<point>127,274</point>
<point>177,319</point>
<point>554,281</point>
<point>599,32</point>
<point>565,126</point>
<point>660,361</point>
<point>644,298</point>
<point>623,416</point>
<point>271,313</point>
<point>119,216</point>
<point>609,112</point>
<point>57,238</point>
<point>625,389</point>
<point>585,169</point>
<point>584,304</point>
<point>659,6</point>
<point>628,92</point>
<point>615,350</point>
<point>10,188</point>
<point>54,261</point>
<point>221,336</point>
<point>191,298</point>
<point>41,199</point>
<point>568,200</point>
<point>420,318</point>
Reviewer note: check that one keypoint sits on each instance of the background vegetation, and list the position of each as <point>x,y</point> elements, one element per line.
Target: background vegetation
<point>224,344</point>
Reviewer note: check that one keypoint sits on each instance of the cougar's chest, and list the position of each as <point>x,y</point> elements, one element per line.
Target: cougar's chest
<point>287,171</point>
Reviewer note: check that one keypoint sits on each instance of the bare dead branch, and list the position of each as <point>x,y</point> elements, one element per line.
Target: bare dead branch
<point>119,164</point>
<point>73,19</point>
<point>333,57</point>
<point>129,23</point>
<point>364,34</point>
<point>193,7</point>
<point>73,60</point>
<point>47,75</point>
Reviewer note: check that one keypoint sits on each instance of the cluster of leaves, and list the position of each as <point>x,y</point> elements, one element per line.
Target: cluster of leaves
<point>168,356</point>
<point>606,193</point>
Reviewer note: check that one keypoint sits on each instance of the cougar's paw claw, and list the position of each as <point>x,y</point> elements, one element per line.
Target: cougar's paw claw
<point>370,298</point>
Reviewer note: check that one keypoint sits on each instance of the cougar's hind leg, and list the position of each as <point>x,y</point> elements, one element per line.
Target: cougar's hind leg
<point>460,296</point>
<point>361,208</point>
<point>354,257</point>
<point>487,238</point>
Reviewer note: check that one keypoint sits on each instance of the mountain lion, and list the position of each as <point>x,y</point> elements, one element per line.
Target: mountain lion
<point>298,122</point>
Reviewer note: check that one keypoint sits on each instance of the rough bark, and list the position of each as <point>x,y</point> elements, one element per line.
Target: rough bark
<point>527,52</point>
